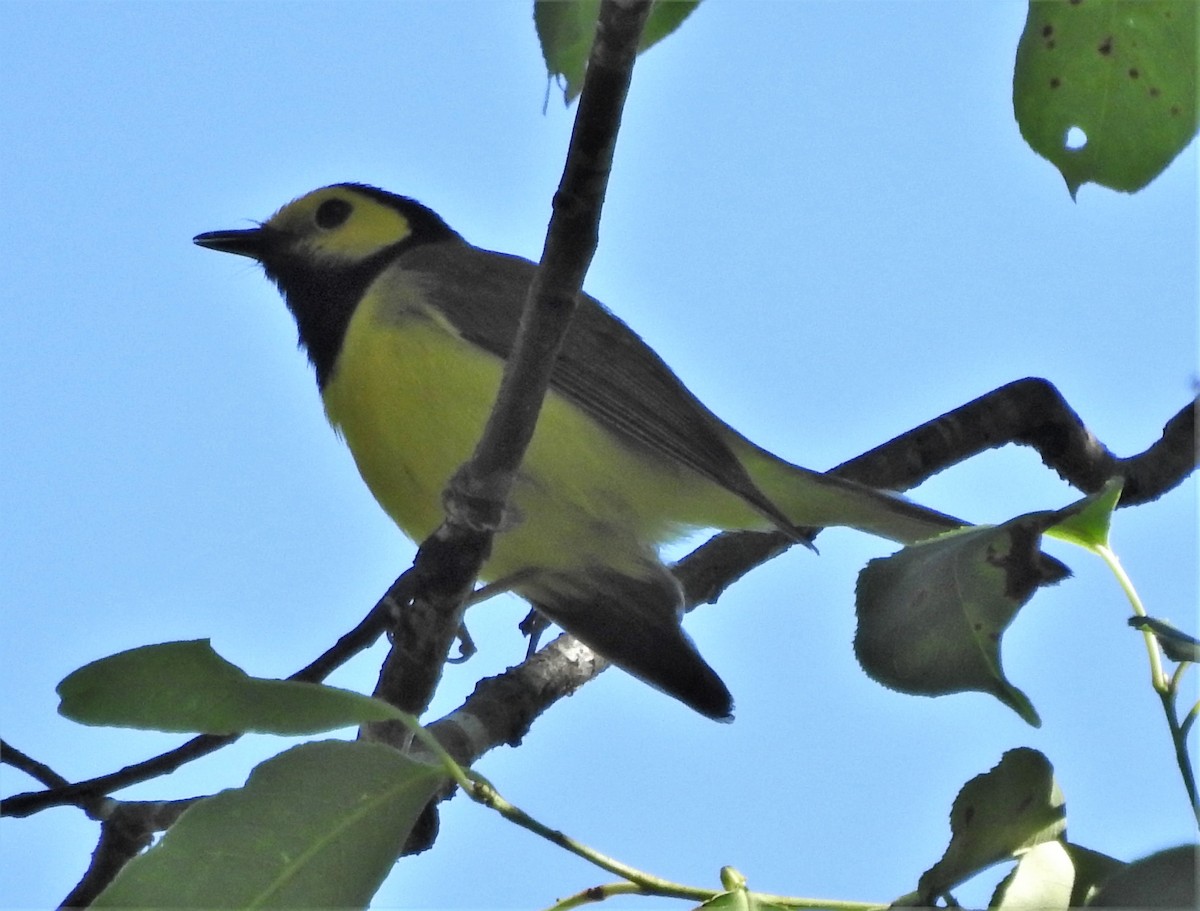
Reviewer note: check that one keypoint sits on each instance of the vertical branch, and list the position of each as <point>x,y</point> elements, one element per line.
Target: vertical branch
<point>450,559</point>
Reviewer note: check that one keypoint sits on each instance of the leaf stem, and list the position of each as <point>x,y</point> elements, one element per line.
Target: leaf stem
<point>1179,738</point>
<point>483,792</point>
<point>461,776</point>
<point>1189,719</point>
<point>1167,688</point>
<point>1158,678</point>
<point>596,894</point>
<point>637,882</point>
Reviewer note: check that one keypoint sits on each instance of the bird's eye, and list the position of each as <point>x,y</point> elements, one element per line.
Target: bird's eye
<point>332,213</point>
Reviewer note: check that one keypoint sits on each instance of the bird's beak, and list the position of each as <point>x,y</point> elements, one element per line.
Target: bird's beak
<point>251,242</point>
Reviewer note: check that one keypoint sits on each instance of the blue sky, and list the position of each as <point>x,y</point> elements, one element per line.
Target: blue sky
<point>821,214</point>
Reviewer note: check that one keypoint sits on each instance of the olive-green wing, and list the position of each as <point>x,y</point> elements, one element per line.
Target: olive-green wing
<point>603,367</point>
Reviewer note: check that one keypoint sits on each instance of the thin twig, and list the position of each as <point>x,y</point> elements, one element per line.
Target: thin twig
<point>83,793</point>
<point>39,771</point>
<point>1179,740</point>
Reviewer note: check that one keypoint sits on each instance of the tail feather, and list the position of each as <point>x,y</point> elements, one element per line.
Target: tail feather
<point>634,623</point>
<point>809,498</point>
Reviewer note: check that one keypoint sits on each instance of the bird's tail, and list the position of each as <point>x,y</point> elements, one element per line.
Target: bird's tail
<point>634,623</point>
<point>811,499</point>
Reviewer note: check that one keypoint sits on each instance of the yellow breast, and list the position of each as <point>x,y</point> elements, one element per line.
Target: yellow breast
<point>411,396</point>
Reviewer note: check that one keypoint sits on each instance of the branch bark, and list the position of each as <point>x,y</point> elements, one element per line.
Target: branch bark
<point>1031,412</point>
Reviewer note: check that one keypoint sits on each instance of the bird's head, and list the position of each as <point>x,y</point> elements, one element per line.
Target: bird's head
<point>336,228</point>
<point>324,250</point>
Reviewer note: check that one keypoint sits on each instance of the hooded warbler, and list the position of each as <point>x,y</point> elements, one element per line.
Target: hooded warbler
<point>408,327</point>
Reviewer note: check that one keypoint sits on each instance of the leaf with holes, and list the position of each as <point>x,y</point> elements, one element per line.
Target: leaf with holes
<point>1106,89</point>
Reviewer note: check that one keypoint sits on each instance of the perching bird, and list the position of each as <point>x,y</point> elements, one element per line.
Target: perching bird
<point>408,327</point>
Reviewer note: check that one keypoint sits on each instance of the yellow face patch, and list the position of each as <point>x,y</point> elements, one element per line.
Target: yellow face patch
<point>368,228</point>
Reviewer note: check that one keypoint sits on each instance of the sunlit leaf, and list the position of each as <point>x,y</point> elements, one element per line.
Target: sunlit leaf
<point>1054,874</point>
<point>566,28</point>
<point>1042,879</point>
<point>1087,521</point>
<point>738,900</point>
<point>187,687</point>
<point>1121,74</point>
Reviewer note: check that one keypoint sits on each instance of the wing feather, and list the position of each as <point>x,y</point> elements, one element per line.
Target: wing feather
<point>604,367</point>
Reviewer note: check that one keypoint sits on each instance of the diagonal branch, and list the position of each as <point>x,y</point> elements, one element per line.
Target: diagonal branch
<point>1030,412</point>
<point>128,830</point>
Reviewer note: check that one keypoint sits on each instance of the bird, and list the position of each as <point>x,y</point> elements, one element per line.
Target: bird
<point>408,327</point>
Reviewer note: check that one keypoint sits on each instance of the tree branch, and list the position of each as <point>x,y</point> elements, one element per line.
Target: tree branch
<point>502,709</point>
<point>449,560</point>
<point>127,831</point>
<point>1029,412</point>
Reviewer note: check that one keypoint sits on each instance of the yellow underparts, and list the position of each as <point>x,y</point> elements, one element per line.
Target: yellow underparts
<point>411,397</point>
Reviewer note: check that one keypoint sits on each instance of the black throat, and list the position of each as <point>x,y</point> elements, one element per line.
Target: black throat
<point>323,296</point>
<point>322,301</point>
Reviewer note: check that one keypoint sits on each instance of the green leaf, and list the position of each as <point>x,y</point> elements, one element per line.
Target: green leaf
<point>1163,880</point>
<point>187,687</point>
<point>318,826</point>
<point>1176,645</point>
<point>739,899</point>
<point>737,896</point>
<point>664,18</point>
<point>1054,874</point>
<point>1121,71</point>
<point>566,27</point>
<point>565,30</point>
<point>1091,869</point>
<point>998,815</point>
<point>1087,522</point>
<point>1042,879</point>
<point>930,618</point>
